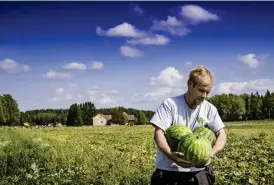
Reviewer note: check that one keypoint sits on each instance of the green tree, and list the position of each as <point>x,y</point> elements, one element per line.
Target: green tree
<point>118,118</point>
<point>11,110</point>
<point>268,104</point>
<point>125,115</point>
<point>141,118</point>
<point>247,100</point>
<point>74,116</point>
<point>88,110</point>
<point>222,104</point>
<point>237,109</point>
<point>2,113</point>
<point>256,106</point>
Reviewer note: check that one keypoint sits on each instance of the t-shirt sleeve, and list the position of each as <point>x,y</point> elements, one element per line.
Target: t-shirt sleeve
<point>215,121</point>
<point>163,115</point>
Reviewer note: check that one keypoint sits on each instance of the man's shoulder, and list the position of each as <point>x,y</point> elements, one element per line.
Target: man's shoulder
<point>173,100</point>
<point>209,106</point>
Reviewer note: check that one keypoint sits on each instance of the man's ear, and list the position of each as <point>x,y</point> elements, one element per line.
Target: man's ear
<point>190,83</point>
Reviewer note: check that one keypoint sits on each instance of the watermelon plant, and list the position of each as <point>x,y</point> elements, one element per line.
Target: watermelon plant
<point>174,134</point>
<point>124,155</point>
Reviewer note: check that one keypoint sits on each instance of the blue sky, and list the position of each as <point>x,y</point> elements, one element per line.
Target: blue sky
<point>132,54</point>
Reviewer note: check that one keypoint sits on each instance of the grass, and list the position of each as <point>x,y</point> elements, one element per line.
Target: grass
<point>123,155</point>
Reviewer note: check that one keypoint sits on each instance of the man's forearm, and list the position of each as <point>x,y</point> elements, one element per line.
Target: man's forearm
<point>161,142</point>
<point>220,142</point>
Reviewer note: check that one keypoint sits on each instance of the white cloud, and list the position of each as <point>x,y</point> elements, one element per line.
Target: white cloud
<point>171,21</point>
<point>150,40</point>
<point>123,30</point>
<point>96,65</point>
<point>10,66</point>
<point>114,91</point>
<point>170,77</point>
<point>260,85</point>
<point>131,52</point>
<point>96,87</point>
<point>57,75</point>
<point>190,14</point>
<point>158,93</point>
<point>80,96</point>
<point>60,90</point>
<point>91,92</point>
<point>169,82</point>
<point>72,85</point>
<point>95,94</point>
<point>68,96</point>
<point>75,65</point>
<point>54,99</point>
<point>189,63</point>
<point>137,9</point>
<point>251,60</point>
<point>91,98</point>
<point>100,97</point>
<point>172,25</point>
<point>105,99</point>
<point>196,14</point>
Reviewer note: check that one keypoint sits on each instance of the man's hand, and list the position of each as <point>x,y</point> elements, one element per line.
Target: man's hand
<point>219,145</point>
<point>209,161</point>
<point>177,157</point>
<point>162,144</point>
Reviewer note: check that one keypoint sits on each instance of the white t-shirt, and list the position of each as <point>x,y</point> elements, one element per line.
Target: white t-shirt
<point>174,110</point>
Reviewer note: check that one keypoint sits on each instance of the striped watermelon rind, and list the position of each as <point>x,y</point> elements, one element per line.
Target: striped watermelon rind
<point>206,133</point>
<point>174,134</point>
<point>196,149</point>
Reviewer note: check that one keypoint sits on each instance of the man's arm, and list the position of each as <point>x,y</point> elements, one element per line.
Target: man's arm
<point>221,139</point>
<point>217,126</point>
<point>219,144</point>
<point>161,142</point>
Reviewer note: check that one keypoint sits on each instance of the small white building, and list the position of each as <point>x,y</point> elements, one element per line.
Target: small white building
<point>101,120</point>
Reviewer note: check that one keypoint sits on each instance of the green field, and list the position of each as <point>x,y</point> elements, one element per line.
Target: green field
<point>123,155</point>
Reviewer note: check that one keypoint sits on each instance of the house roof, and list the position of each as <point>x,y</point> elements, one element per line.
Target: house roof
<point>131,117</point>
<point>109,117</point>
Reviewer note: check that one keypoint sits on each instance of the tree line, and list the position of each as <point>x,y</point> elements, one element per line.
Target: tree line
<point>76,115</point>
<point>252,106</point>
<point>231,107</point>
<point>81,114</point>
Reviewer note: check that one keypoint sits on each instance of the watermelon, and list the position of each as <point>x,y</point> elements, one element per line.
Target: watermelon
<point>196,149</point>
<point>174,134</point>
<point>206,133</point>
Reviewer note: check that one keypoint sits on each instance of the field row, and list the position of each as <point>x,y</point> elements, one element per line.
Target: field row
<point>122,155</point>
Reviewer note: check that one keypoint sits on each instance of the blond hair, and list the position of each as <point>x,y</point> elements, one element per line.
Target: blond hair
<point>196,75</point>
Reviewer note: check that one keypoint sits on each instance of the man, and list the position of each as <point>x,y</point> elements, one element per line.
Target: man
<point>185,109</point>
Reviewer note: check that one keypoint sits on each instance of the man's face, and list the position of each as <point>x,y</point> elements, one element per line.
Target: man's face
<point>200,92</point>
